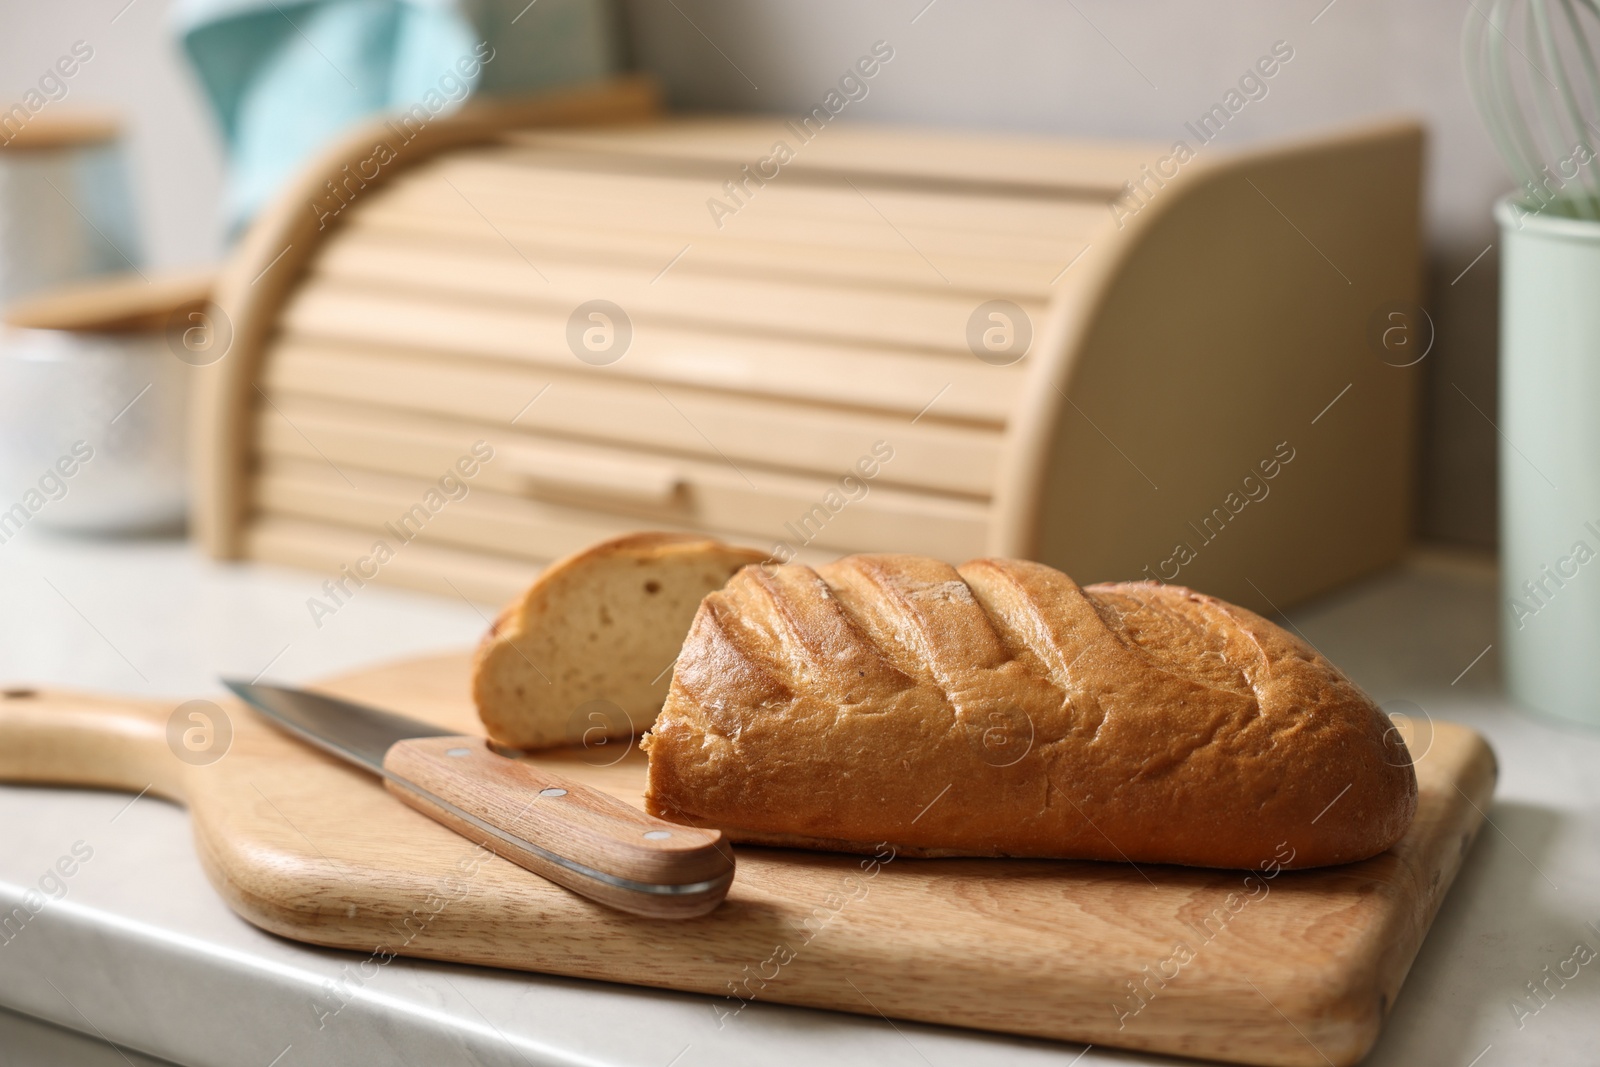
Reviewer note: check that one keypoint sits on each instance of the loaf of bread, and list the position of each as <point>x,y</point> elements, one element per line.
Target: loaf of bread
<point>1000,710</point>
<point>585,654</point>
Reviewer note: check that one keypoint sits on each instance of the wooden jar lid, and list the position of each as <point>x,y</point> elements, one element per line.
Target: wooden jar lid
<point>56,130</point>
<point>114,303</point>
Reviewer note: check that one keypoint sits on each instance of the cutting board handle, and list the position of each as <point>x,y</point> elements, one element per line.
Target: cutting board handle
<point>59,737</point>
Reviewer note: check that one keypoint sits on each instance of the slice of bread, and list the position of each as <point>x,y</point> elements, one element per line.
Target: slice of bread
<point>586,653</point>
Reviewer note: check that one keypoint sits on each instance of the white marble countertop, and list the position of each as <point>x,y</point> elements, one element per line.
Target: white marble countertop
<point>141,952</point>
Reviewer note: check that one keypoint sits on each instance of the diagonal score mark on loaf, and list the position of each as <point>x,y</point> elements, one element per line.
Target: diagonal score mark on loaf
<point>1217,731</point>
<point>1123,646</point>
<point>924,617</point>
<point>828,706</point>
<point>778,639</point>
<point>1136,711</point>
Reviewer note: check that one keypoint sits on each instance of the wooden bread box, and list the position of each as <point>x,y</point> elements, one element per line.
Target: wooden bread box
<point>871,339</point>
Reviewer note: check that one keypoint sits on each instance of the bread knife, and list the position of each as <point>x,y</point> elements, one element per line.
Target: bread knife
<point>580,838</point>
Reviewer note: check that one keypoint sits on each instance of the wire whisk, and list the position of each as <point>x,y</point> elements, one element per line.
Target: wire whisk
<point>1535,80</point>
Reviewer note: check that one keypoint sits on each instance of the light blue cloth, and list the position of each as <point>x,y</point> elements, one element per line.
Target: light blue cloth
<point>285,78</point>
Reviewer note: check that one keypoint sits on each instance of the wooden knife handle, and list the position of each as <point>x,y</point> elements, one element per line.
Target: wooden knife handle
<point>577,837</point>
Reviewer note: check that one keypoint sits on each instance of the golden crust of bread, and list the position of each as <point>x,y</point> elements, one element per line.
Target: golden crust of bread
<point>581,656</point>
<point>1002,710</point>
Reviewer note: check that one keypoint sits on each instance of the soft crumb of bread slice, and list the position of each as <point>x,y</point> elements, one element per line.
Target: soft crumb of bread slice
<point>586,652</point>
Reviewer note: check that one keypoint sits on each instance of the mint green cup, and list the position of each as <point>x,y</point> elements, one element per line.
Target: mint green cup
<point>1550,458</point>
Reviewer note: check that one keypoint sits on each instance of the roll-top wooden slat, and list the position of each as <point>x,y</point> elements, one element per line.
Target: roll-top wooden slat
<point>734,430</point>
<point>327,547</point>
<point>385,503</point>
<point>495,522</point>
<point>352,440</point>
<point>1077,167</point>
<point>592,182</point>
<point>653,250</point>
<point>868,220</point>
<point>935,319</point>
<point>351,318</point>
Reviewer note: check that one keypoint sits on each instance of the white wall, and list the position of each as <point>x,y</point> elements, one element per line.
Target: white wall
<point>1086,67</point>
<point>136,70</point>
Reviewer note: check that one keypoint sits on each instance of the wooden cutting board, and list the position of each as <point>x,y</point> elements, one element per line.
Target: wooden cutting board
<point>1291,968</point>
